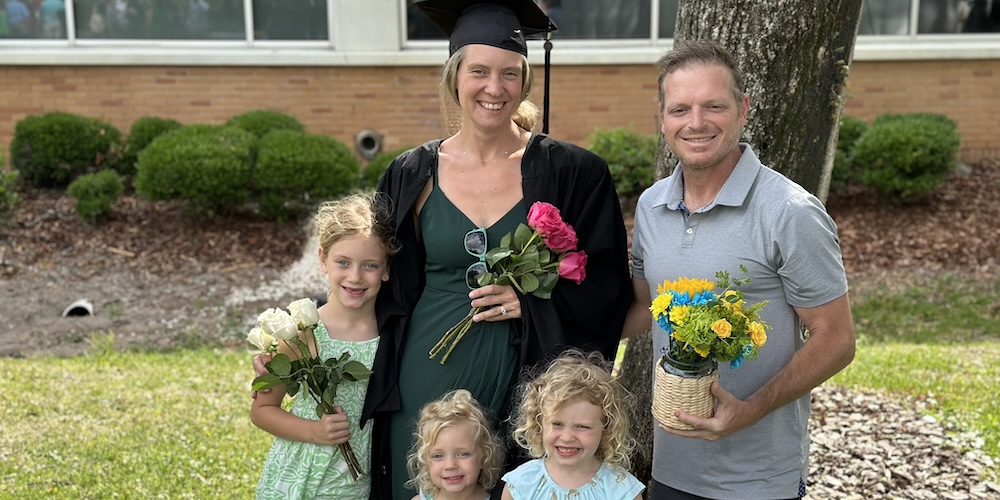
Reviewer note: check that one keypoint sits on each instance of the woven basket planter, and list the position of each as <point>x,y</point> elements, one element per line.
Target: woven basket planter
<point>683,388</point>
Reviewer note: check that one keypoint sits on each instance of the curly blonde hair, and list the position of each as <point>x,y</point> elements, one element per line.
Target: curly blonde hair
<point>365,215</point>
<point>577,376</point>
<point>454,408</point>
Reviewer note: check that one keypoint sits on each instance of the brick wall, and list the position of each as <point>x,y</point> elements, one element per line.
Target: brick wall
<point>402,104</point>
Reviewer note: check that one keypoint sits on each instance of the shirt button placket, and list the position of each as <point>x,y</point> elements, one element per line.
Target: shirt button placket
<point>689,233</point>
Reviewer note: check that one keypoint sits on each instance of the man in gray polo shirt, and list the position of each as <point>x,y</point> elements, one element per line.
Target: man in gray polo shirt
<point>719,210</point>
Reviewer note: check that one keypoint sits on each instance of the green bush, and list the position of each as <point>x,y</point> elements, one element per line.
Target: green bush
<point>261,121</point>
<point>850,131</point>
<point>906,156</point>
<point>143,131</point>
<point>51,150</point>
<point>9,196</point>
<point>96,193</point>
<point>631,158</point>
<point>296,170</point>
<point>372,173</point>
<point>207,166</point>
<point>934,117</point>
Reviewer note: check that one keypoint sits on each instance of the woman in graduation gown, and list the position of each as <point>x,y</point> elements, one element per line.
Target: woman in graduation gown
<point>484,178</point>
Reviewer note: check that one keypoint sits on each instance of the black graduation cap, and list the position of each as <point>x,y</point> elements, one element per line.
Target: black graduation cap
<point>498,23</point>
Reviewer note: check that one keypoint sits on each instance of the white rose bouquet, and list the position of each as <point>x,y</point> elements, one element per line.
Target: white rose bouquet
<point>321,378</point>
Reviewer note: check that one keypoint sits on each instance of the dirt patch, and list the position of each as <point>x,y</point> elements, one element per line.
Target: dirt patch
<point>158,277</point>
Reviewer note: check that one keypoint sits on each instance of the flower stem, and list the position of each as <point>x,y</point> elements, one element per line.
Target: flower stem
<point>352,461</point>
<point>453,335</point>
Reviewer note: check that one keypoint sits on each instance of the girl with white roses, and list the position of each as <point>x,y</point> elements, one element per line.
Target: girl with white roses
<point>356,243</point>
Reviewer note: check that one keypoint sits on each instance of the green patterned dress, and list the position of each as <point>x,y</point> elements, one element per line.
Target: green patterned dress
<point>297,470</point>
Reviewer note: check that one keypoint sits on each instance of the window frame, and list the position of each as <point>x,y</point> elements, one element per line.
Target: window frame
<point>358,39</point>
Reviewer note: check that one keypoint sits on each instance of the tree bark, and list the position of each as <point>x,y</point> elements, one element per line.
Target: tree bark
<point>795,56</point>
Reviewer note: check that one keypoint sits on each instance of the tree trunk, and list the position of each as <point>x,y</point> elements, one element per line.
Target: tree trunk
<point>795,56</point>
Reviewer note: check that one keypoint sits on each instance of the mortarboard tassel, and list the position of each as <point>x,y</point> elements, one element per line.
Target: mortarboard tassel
<point>548,68</point>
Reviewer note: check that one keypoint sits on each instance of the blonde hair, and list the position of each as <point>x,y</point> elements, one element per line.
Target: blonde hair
<point>453,409</point>
<point>577,376</point>
<point>365,215</point>
<point>526,114</point>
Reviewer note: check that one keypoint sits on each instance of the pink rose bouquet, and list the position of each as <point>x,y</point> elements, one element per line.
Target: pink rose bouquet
<point>531,259</point>
<point>546,221</point>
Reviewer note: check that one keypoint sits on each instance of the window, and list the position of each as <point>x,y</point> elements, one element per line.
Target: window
<point>290,20</point>
<point>893,17</point>
<point>167,19</point>
<point>159,20</point>
<point>576,19</point>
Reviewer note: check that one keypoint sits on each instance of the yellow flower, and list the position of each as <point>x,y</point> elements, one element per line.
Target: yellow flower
<point>678,314</point>
<point>690,286</point>
<point>722,328</point>
<point>700,351</point>
<point>757,334</point>
<point>660,304</point>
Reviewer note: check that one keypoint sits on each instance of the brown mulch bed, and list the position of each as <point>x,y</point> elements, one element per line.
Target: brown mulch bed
<point>154,237</point>
<point>954,229</point>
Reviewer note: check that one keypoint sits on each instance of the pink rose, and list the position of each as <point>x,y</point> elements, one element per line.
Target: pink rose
<point>544,218</point>
<point>573,266</point>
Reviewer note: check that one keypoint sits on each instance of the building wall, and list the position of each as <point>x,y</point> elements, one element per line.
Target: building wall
<point>401,103</point>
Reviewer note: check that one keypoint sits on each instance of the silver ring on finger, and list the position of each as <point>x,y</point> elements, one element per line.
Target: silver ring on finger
<point>503,310</point>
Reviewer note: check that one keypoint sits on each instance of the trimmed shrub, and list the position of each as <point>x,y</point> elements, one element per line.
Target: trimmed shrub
<point>631,158</point>
<point>372,173</point>
<point>296,170</point>
<point>143,131</point>
<point>261,121</point>
<point>96,193</point>
<point>207,166</point>
<point>849,132</point>
<point>51,150</point>
<point>934,117</point>
<point>907,156</point>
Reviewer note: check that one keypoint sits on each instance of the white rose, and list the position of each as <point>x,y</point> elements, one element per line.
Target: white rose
<point>304,312</point>
<point>279,324</point>
<point>260,340</point>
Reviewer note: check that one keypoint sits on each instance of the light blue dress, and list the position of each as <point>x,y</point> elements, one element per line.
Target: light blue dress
<point>531,481</point>
<point>425,496</point>
<point>298,470</point>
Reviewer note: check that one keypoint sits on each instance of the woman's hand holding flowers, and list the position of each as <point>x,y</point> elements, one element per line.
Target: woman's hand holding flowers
<point>490,298</point>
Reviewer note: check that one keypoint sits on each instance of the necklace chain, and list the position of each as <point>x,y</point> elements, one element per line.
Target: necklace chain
<point>484,161</point>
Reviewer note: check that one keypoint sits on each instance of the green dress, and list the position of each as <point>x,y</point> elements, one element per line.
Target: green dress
<point>298,470</point>
<point>484,362</point>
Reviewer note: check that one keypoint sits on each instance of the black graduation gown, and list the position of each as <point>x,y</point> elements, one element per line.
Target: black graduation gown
<point>589,316</point>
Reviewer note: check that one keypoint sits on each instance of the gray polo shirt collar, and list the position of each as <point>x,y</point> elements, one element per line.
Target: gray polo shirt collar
<point>733,193</point>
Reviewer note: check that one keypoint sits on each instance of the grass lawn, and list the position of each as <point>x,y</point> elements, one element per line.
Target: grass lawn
<point>172,425</point>
<point>176,425</point>
<point>937,339</point>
